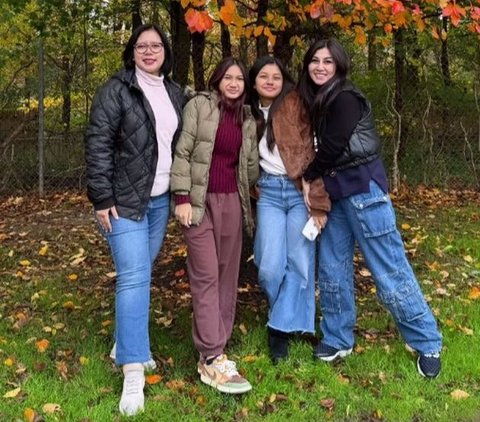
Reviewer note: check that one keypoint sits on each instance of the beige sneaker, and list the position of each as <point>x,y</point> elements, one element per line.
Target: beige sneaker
<point>222,374</point>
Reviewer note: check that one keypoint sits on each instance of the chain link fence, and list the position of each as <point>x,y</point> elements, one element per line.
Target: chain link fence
<point>426,105</point>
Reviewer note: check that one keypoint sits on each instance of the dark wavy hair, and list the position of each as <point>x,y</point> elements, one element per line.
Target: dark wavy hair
<point>214,85</point>
<point>317,99</point>
<point>128,52</point>
<point>287,86</point>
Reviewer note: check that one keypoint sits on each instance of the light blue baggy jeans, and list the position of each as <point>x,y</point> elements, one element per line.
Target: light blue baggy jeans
<point>284,257</point>
<point>134,246</point>
<point>369,220</point>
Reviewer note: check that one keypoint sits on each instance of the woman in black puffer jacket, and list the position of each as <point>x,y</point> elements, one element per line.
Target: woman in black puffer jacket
<point>134,124</point>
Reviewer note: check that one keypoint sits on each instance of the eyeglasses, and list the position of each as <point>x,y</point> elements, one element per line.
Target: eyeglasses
<point>155,48</point>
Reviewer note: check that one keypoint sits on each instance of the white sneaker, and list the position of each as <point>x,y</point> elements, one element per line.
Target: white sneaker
<point>132,400</point>
<point>150,365</point>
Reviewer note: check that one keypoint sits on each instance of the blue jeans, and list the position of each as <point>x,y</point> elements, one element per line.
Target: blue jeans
<point>284,257</point>
<point>134,246</point>
<point>369,219</point>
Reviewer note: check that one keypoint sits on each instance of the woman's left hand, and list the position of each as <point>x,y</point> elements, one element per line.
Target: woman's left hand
<point>320,221</point>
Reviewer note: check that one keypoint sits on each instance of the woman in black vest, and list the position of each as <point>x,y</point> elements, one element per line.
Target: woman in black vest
<point>347,157</point>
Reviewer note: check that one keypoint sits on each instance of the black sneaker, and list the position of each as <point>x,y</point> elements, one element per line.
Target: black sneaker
<point>429,365</point>
<point>278,345</point>
<point>328,353</point>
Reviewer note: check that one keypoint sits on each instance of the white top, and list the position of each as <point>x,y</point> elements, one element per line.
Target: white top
<point>166,122</point>
<point>270,161</point>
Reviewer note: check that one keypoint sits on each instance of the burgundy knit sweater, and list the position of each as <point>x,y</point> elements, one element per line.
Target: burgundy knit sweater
<point>226,151</point>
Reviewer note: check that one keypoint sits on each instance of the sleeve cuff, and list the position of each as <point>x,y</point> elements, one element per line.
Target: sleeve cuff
<point>182,199</point>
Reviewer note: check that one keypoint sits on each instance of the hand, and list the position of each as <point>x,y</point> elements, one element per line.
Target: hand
<point>183,213</point>
<point>103,217</point>
<point>320,222</point>
<point>255,192</point>
<point>306,193</point>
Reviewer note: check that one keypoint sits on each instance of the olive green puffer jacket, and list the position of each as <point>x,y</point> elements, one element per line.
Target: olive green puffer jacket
<point>193,156</point>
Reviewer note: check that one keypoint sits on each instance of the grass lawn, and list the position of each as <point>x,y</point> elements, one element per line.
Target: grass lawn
<point>56,325</point>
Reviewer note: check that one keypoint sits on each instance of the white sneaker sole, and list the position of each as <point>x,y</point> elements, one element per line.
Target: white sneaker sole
<point>223,388</point>
<point>339,354</point>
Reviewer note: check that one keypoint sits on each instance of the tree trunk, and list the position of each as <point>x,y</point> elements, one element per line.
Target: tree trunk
<point>224,35</point>
<point>198,47</point>
<point>181,44</point>
<point>399,50</point>
<point>372,51</point>
<point>262,40</point>
<point>66,94</point>
<point>136,14</point>
<point>444,59</point>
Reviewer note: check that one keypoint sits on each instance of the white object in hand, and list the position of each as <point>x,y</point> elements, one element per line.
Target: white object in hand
<point>310,231</point>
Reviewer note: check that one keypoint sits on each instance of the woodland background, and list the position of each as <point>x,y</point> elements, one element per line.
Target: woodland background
<point>418,62</point>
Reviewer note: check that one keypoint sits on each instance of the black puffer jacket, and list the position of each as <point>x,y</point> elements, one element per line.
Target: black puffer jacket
<point>121,145</point>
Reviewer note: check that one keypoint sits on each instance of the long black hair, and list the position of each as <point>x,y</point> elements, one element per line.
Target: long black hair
<point>128,52</point>
<point>214,85</point>
<point>287,86</point>
<point>317,99</point>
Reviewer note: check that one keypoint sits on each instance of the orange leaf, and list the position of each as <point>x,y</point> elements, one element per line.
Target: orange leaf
<point>29,414</point>
<point>153,379</point>
<point>474,293</point>
<point>258,31</point>
<point>198,21</point>
<point>73,277</point>
<point>42,345</point>
<point>227,12</point>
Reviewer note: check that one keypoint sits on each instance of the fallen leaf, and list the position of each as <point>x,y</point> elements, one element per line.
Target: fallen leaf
<point>468,258</point>
<point>250,358</point>
<point>51,408</point>
<point>83,360</point>
<point>200,400</point>
<point>327,403</point>
<point>474,293</point>
<point>243,329</point>
<point>465,330</point>
<point>69,305</point>
<point>42,345</point>
<point>25,263</point>
<point>153,379</point>
<point>12,393</point>
<point>29,415</point>
<point>459,394</point>
<point>175,385</point>
<point>43,250</point>
<point>8,362</point>
<point>405,226</point>
<point>73,277</point>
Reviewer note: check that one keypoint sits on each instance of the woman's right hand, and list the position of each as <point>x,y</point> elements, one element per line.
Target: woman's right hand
<point>103,217</point>
<point>183,213</point>
<point>306,193</point>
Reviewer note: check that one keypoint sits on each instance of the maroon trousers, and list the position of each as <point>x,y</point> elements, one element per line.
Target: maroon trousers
<point>213,263</point>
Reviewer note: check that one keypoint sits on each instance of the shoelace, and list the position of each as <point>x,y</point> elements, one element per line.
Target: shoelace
<point>227,367</point>
<point>133,385</point>
<point>432,355</point>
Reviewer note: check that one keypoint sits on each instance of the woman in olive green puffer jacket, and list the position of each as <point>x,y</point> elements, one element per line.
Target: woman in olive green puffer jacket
<point>215,164</point>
